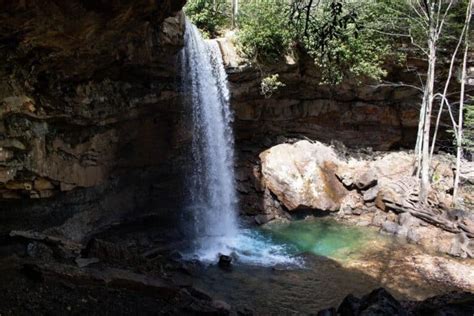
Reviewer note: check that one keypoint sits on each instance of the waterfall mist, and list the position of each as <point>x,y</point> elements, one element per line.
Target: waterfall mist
<point>212,195</point>
<point>211,206</point>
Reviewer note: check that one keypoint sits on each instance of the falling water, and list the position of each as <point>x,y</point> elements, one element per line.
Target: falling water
<point>211,180</point>
<point>212,188</point>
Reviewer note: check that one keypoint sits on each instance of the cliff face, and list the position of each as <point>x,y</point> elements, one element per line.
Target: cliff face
<point>91,127</point>
<point>381,116</point>
<point>88,111</point>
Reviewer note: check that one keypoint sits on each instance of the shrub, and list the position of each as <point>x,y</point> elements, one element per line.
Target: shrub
<point>359,50</point>
<point>270,85</point>
<point>264,31</point>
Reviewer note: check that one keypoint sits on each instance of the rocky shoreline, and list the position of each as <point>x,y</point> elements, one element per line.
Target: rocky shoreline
<point>375,189</point>
<point>129,269</point>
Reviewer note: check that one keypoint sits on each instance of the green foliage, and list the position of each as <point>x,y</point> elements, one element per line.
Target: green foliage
<point>263,30</point>
<point>359,50</point>
<point>348,39</point>
<point>270,85</point>
<point>340,36</point>
<point>399,17</point>
<point>209,16</point>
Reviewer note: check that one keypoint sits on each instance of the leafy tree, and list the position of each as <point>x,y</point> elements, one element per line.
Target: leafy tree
<point>209,16</point>
<point>346,41</point>
<point>342,36</point>
<point>263,32</point>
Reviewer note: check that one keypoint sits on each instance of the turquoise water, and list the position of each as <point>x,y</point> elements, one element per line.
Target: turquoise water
<point>300,267</point>
<point>286,244</point>
<point>324,237</point>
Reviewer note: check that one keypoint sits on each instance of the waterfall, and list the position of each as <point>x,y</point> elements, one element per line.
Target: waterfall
<point>212,201</point>
<point>211,180</point>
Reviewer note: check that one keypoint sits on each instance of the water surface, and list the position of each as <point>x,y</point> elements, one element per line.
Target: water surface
<point>319,263</point>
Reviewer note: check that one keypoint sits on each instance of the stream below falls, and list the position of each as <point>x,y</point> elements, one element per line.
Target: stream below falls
<point>325,262</point>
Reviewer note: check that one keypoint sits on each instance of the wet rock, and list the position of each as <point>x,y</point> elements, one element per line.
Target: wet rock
<point>349,306</point>
<point>42,184</point>
<point>111,252</point>
<point>39,251</point>
<point>71,121</point>
<point>264,218</point>
<point>225,261</point>
<point>199,293</point>
<point>221,306</point>
<point>13,144</point>
<point>245,312</point>
<point>85,262</point>
<point>380,302</point>
<point>17,185</point>
<point>5,154</point>
<point>327,312</point>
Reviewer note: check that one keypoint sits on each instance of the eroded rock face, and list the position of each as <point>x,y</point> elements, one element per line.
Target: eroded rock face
<point>359,115</point>
<point>89,112</point>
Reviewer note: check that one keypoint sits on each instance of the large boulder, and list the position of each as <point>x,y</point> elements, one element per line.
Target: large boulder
<point>313,175</point>
<point>303,175</point>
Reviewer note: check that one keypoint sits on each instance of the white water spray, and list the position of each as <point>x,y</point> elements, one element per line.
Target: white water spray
<point>212,189</point>
<point>213,200</point>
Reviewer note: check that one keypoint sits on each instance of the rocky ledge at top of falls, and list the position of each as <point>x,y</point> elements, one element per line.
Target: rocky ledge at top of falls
<point>377,189</point>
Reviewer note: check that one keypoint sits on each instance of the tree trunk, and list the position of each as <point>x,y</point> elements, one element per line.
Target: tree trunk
<point>459,140</point>
<point>235,12</point>
<point>428,106</point>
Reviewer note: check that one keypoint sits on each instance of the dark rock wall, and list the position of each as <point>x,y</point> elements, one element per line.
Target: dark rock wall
<point>367,115</point>
<point>89,112</point>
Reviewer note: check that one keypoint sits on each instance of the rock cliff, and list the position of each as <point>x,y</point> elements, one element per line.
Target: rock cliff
<point>92,129</point>
<point>358,114</point>
<point>89,120</point>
